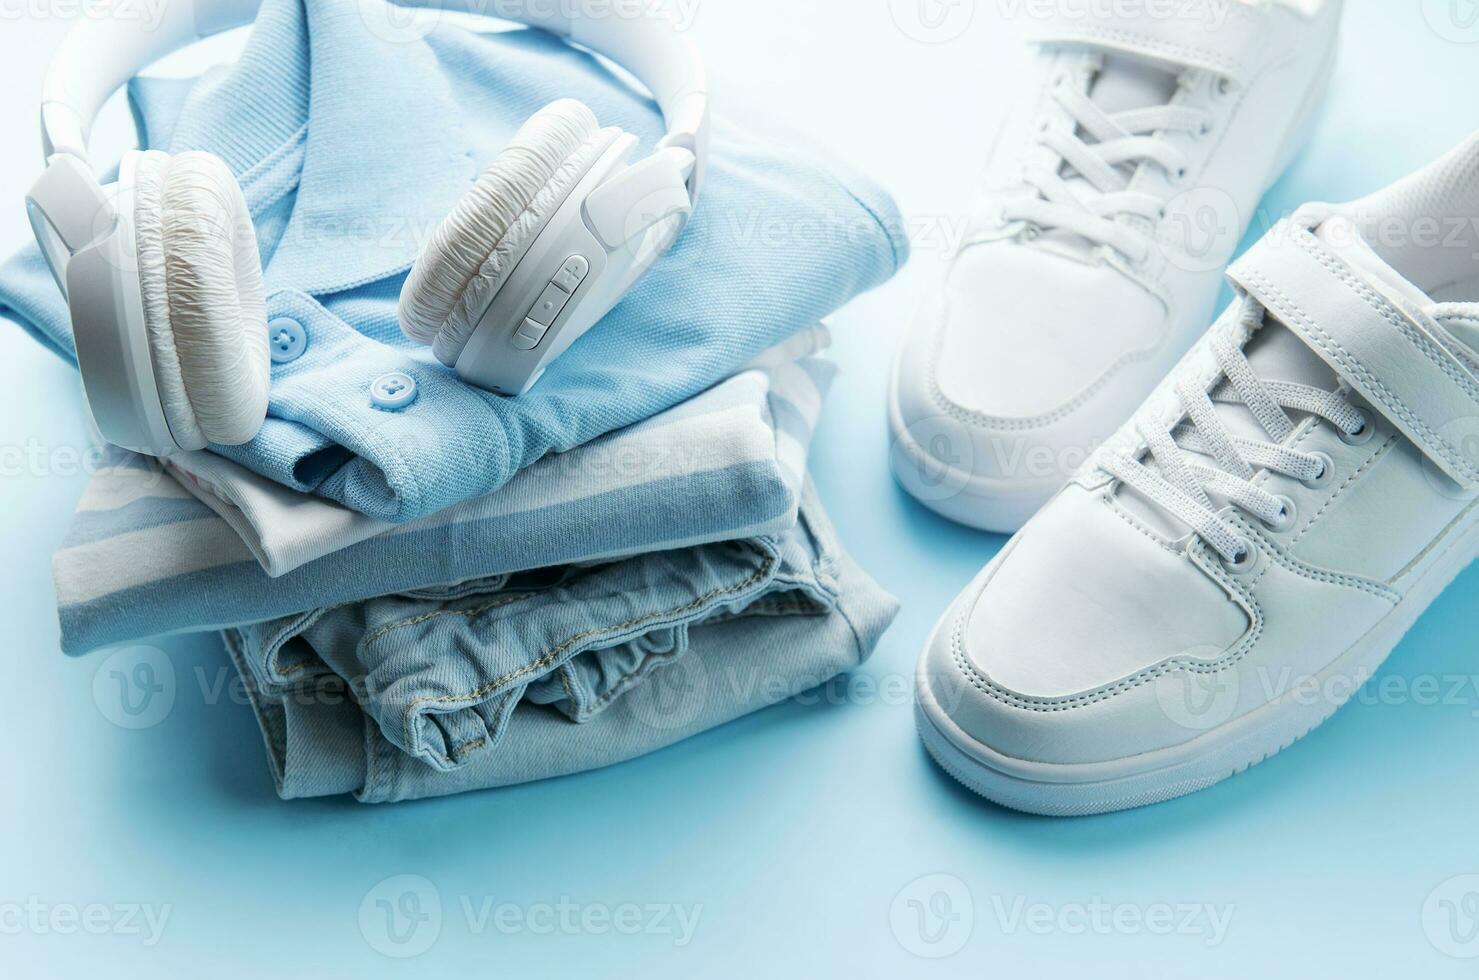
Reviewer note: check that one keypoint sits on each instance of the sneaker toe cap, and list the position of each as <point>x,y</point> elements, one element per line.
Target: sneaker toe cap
<point>1014,362</point>
<point>1070,647</point>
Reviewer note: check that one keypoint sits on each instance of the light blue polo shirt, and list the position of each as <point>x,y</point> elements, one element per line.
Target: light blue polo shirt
<point>352,145</point>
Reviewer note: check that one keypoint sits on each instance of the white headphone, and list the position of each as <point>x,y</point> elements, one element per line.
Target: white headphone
<point>162,275</point>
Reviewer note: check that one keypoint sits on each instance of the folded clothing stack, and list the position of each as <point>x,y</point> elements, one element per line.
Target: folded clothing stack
<point>475,591</point>
<point>647,586</point>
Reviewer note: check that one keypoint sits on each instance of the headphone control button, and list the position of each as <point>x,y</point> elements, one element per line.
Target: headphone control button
<point>549,304</point>
<point>572,273</point>
<point>393,392</point>
<point>286,339</point>
<point>529,335</point>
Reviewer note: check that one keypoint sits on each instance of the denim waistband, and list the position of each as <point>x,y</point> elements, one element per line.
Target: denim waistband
<point>424,695</point>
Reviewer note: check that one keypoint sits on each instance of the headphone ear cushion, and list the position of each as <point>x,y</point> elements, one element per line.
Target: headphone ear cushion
<point>200,278</point>
<point>475,247</point>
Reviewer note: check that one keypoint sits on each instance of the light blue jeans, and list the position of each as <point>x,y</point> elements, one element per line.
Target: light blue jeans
<point>520,678</point>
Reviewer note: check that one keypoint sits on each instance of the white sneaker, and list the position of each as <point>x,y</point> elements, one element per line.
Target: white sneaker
<point>1117,194</point>
<point>1235,562</point>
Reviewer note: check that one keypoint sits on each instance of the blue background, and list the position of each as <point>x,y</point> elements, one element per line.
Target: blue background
<point>802,831</point>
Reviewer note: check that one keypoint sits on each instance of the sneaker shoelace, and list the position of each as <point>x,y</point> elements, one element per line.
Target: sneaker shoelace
<point>1097,146</point>
<point>1184,477</point>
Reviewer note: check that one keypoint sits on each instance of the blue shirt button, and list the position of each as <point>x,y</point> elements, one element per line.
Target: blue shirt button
<point>393,392</point>
<point>286,339</point>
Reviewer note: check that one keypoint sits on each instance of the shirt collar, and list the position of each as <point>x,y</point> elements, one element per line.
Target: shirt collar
<point>359,125</point>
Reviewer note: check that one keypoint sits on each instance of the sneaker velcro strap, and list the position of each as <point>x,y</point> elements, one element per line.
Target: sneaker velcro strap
<point>1224,37</point>
<point>1387,353</point>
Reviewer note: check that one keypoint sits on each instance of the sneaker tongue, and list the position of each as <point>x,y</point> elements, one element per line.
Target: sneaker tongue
<point>1276,354</point>
<point>1121,84</point>
<point>1125,83</point>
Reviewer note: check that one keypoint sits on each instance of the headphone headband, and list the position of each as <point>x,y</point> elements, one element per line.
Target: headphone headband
<point>100,55</point>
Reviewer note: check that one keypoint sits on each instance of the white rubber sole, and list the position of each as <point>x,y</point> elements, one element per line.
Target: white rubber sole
<point>1080,790</point>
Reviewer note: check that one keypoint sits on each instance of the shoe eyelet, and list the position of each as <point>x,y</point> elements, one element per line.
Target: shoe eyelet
<point>1287,516</point>
<point>1327,473</point>
<point>1361,436</point>
<point>1245,561</point>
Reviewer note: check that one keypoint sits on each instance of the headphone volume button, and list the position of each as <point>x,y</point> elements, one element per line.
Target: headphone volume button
<point>572,273</point>
<point>529,335</point>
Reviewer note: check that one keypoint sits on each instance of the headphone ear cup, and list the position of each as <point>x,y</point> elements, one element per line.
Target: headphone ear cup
<point>475,247</point>
<point>200,277</point>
